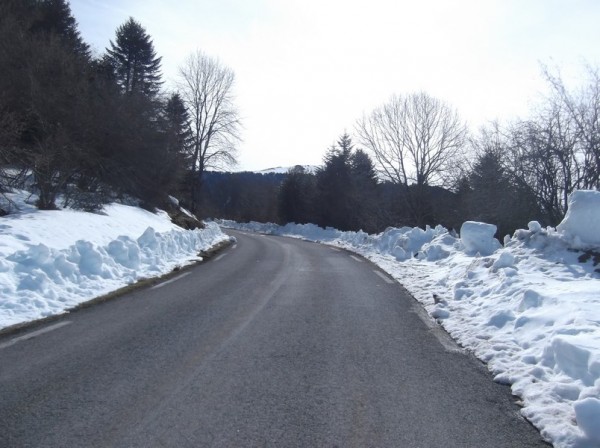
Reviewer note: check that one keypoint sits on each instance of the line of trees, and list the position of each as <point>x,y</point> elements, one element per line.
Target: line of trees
<point>340,194</point>
<point>527,169</point>
<point>421,167</point>
<point>88,129</point>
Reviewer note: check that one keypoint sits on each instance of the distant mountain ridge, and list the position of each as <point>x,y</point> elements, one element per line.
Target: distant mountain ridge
<point>284,169</point>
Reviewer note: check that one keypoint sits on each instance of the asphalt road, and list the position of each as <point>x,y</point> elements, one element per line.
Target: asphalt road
<point>274,343</point>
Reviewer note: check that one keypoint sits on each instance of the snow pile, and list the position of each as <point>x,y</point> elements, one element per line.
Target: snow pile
<point>530,309</point>
<point>478,238</point>
<point>402,243</point>
<point>51,261</point>
<point>582,223</point>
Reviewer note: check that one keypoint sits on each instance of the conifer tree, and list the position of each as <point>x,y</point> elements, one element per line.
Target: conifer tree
<point>347,188</point>
<point>296,196</point>
<point>135,66</point>
<point>55,17</point>
<point>177,125</point>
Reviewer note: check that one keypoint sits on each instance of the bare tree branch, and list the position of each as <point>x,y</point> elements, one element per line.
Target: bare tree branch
<point>414,140</point>
<point>206,88</point>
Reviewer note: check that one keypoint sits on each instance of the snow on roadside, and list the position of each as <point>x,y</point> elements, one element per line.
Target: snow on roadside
<point>51,261</point>
<point>530,309</point>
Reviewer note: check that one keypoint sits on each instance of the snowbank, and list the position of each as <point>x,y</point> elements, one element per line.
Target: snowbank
<point>582,222</point>
<point>530,309</point>
<point>51,261</point>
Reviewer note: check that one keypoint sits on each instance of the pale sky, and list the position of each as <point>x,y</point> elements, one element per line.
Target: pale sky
<point>306,70</point>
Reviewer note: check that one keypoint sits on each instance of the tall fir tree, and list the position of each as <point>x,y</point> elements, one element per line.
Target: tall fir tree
<point>296,196</point>
<point>347,193</point>
<point>135,66</point>
<point>489,194</point>
<point>334,181</point>
<point>55,17</point>
<point>175,126</point>
<point>364,191</point>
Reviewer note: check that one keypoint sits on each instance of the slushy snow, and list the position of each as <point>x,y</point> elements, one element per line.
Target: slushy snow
<point>530,309</point>
<point>51,261</point>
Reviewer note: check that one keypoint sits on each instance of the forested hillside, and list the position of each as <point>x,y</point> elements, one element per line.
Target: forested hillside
<point>91,129</point>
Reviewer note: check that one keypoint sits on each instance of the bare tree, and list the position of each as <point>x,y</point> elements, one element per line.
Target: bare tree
<point>544,155</point>
<point>558,149</point>
<point>206,88</point>
<point>414,140</point>
<point>583,108</point>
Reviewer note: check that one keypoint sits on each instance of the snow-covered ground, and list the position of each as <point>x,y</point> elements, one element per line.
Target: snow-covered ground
<point>530,308</point>
<point>51,261</point>
<point>310,169</point>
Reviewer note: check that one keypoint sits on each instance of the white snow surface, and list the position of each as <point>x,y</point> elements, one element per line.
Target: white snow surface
<point>582,222</point>
<point>311,169</point>
<point>530,309</point>
<point>51,261</point>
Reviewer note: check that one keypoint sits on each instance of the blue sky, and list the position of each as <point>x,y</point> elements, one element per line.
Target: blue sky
<point>307,70</point>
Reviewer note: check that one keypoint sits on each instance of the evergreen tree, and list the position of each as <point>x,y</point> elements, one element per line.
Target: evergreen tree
<point>55,17</point>
<point>364,191</point>
<point>134,62</point>
<point>177,126</point>
<point>63,119</point>
<point>334,186</point>
<point>296,196</point>
<point>347,188</point>
<point>489,194</point>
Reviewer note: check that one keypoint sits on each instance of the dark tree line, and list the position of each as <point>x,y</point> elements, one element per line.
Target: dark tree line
<point>242,197</point>
<point>88,130</point>
<point>344,193</point>
<point>428,171</point>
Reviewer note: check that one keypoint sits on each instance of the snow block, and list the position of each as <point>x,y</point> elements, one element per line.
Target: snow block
<point>582,221</point>
<point>531,299</point>
<point>566,355</point>
<point>125,251</point>
<point>534,226</point>
<point>91,260</point>
<point>148,239</point>
<point>440,247</point>
<point>478,237</point>
<point>505,260</point>
<point>587,414</point>
<point>501,318</point>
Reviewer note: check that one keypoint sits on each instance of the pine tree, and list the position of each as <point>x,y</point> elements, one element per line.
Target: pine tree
<point>334,185</point>
<point>55,17</point>
<point>296,196</point>
<point>490,195</point>
<point>364,191</point>
<point>347,188</point>
<point>133,59</point>
<point>177,126</point>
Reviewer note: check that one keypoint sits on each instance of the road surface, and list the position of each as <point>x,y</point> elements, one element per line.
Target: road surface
<point>273,343</point>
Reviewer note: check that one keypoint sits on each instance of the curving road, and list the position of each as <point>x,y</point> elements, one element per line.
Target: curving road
<point>274,343</point>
